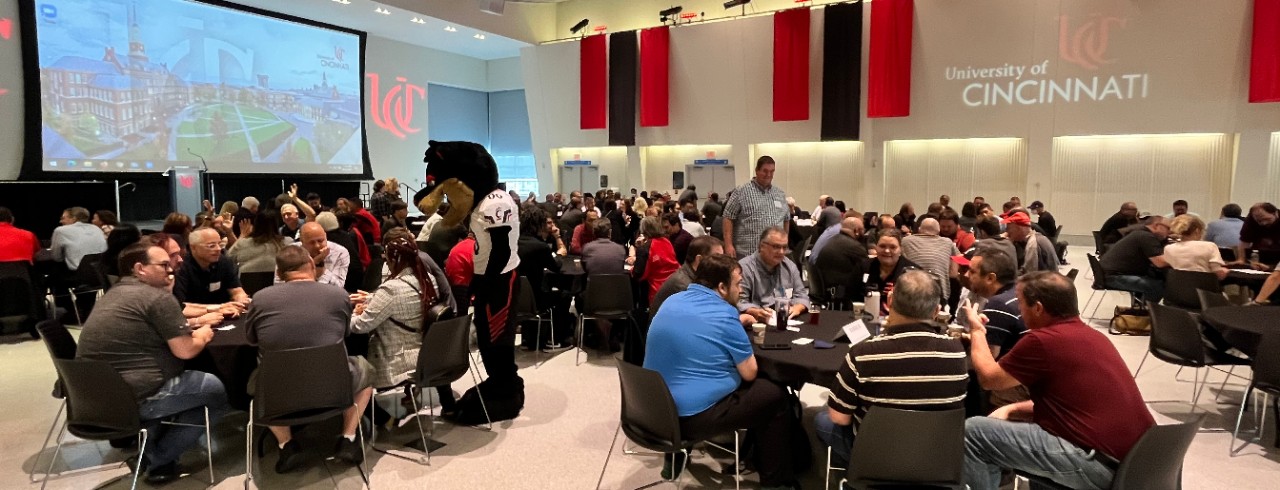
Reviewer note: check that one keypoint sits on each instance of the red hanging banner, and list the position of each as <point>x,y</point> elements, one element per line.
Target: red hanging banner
<point>889,65</point>
<point>594,83</point>
<point>1264,63</point>
<point>655,84</point>
<point>791,65</point>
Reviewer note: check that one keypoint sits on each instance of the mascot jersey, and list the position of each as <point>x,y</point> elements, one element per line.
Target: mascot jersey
<point>495,210</point>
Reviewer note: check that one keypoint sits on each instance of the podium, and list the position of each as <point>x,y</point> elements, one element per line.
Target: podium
<point>186,190</point>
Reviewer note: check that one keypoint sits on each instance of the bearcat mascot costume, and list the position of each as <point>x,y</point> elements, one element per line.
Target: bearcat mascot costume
<point>468,176</point>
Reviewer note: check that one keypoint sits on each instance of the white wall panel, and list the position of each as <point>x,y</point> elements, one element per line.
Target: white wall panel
<point>1273,170</point>
<point>807,170</point>
<point>918,171</point>
<point>1093,175</point>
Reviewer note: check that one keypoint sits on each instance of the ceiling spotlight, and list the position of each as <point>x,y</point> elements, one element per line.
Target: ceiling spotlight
<point>418,20</point>
<point>479,36</point>
<point>382,11</point>
<point>579,26</point>
<point>450,29</point>
<point>670,13</point>
<point>736,3</point>
<point>344,2</point>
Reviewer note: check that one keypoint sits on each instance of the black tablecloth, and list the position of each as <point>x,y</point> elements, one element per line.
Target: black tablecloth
<point>804,363</point>
<point>229,357</point>
<point>1243,326</point>
<point>1251,281</point>
<point>571,279</point>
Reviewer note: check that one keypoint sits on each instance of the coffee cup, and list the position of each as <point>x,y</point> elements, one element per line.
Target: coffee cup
<point>943,318</point>
<point>757,332</point>
<point>858,308</point>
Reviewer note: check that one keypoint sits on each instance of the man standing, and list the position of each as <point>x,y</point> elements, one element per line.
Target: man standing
<point>138,329</point>
<point>932,253</point>
<point>711,209</point>
<point>837,268</point>
<point>16,244</point>
<point>699,249</point>
<point>1262,233</point>
<point>366,223</point>
<point>383,195</point>
<point>279,321</point>
<point>913,364</point>
<point>207,277</point>
<point>1035,251</point>
<point>754,207</point>
<point>770,279</point>
<point>690,194</point>
<point>679,237</point>
<point>1085,410</point>
<point>572,217</point>
<point>698,346</point>
<point>1127,216</point>
<point>1134,262</point>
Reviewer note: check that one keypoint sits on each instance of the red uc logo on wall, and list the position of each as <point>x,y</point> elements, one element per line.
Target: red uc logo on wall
<point>393,110</point>
<point>1086,44</point>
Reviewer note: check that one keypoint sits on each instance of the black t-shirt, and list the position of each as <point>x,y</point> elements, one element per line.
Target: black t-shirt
<point>1131,256</point>
<point>1111,228</point>
<point>535,259</point>
<point>192,284</point>
<point>1048,225</point>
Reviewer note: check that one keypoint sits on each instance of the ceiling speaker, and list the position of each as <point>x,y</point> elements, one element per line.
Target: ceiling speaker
<point>492,6</point>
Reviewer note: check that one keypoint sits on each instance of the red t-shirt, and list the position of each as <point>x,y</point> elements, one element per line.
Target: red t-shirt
<point>368,225</point>
<point>661,264</point>
<point>1082,390</point>
<point>964,240</point>
<point>459,266</point>
<point>17,244</point>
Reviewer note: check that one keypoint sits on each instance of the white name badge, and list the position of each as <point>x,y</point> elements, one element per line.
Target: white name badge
<point>214,286</point>
<point>777,204</point>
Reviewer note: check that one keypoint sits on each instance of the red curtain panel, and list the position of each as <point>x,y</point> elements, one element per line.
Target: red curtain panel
<point>889,65</point>
<point>655,83</point>
<point>1264,64</point>
<point>594,82</point>
<point>791,65</point>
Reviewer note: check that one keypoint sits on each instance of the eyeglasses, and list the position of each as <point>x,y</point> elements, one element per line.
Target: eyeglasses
<point>166,265</point>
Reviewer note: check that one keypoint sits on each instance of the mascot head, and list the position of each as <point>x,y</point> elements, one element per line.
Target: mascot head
<point>460,170</point>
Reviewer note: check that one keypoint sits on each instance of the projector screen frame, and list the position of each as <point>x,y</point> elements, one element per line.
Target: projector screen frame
<point>33,145</point>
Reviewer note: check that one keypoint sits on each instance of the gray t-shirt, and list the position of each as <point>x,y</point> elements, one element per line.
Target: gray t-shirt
<point>298,314</point>
<point>130,328</point>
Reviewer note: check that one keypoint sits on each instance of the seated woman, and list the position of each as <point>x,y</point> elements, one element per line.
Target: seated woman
<point>1190,252</point>
<point>887,266</point>
<point>121,236</point>
<point>106,220</point>
<point>659,258</point>
<point>259,242</point>
<point>394,314</point>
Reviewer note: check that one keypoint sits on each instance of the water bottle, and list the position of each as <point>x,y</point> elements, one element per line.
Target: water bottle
<point>873,305</point>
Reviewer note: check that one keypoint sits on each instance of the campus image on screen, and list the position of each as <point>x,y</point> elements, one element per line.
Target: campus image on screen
<point>133,85</point>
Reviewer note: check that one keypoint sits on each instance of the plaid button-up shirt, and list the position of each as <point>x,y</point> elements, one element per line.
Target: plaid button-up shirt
<point>753,209</point>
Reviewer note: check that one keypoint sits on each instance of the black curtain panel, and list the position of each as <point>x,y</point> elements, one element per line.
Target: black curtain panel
<point>842,72</point>
<point>624,53</point>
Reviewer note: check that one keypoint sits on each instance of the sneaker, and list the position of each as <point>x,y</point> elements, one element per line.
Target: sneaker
<point>349,451</point>
<point>165,473</point>
<point>671,472</point>
<point>290,457</point>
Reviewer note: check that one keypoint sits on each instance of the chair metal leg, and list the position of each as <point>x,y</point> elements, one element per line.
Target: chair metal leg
<point>1231,449</point>
<point>1087,302</point>
<point>142,453</point>
<point>32,475</point>
<point>1144,361</point>
<point>476,379</point>
<point>248,449</point>
<point>364,457</point>
<point>208,444</point>
<point>537,343</point>
<point>1223,387</point>
<point>577,357</point>
<point>57,450</point>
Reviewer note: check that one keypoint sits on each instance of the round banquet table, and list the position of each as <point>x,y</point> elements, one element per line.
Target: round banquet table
<point>571,279</point>
<point>1242,278</point>
<point>804,363</point>
<point>1243,326</point>
<point>229,357</point>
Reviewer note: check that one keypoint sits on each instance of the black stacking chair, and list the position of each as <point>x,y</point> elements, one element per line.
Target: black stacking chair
<point>907,449</point>
<point>20,301</point>
<point>1176,339</point>
<point>61,345</point>
<point>252,282</point>
<point>1210,299</point>
<point>297,387</point>
<point>649,417</point>
<point>1266,378</point>
<point>1180,288</point>
<point>1100,284</point>
<point>526,310</point>
<point>1154,462</point>
<point>607,297</point>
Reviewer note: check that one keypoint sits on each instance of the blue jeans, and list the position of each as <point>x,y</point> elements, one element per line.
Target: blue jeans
<point>838,437</point>
<point>1151,288</point>
<point>991,444</point>
<point>181,399</point>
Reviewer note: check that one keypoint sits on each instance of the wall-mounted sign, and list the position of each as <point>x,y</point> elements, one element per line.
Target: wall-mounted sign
<point>577,163</point>
<point>393,110</point>
<point>712,161</point>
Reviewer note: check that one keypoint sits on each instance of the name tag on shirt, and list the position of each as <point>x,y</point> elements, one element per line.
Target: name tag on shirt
<point>777,204</point>
<point>214,286</point>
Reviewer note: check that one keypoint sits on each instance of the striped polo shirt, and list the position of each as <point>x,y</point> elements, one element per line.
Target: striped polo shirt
<point>914,366</point>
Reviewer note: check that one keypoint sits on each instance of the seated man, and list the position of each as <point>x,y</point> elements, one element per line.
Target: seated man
<point>537,258</point>
<point>1035,251</point>
<point>332,260</point>
<point>207,278</point>
<point>1125,217</point>
<point>934,378</point>
<point>601,255</point>
<point>932,252</point>
<point>698,346</point>
<point>1134,262</point>
<point>700,248</point>
<point>992,276</point>
<point>1085,410</point>
<point>583,232</point>
<point>71,242</point>
<point>837,269</point>
<point>138,329</point>
<point>279,321</point>
<point>769,279</point>
<point>677,235</point>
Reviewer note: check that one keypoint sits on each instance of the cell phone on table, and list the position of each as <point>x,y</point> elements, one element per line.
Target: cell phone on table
<point>822,344</point>
<point>776,346</point>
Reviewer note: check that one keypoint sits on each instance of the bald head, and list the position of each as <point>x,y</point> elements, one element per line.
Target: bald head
<point>852,226</point>
<point>929,227</point>
<point>312,230</point>
<point>313,238</point>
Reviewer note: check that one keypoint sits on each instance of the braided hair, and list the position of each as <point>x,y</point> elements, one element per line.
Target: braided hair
<point>402,254</point>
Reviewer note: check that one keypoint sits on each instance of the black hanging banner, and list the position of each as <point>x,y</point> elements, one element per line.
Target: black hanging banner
<point>624,53</point>
<point>841,72</point>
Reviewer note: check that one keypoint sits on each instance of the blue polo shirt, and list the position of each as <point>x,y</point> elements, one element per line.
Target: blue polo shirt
<point>696,343</point>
